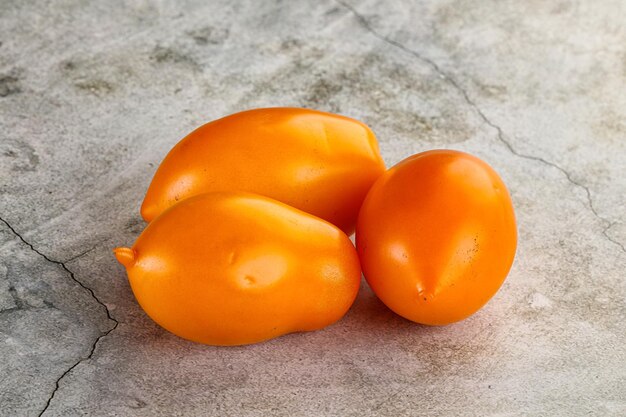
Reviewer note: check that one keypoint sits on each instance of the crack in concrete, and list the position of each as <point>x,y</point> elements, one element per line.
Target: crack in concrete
<point>93,295</point>
<point>73,258</point>
<point>500,134</point>
<point>605,232</point>
<point>81,360</point>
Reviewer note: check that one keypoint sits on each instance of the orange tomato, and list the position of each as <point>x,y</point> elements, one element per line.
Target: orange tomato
<point>318,162</point>
<point>436,236</point>
<point>236,268</point>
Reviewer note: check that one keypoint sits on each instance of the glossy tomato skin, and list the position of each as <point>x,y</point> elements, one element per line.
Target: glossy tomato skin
<point>236,268</point>
<point>318,162</point>
<point>436,236</point>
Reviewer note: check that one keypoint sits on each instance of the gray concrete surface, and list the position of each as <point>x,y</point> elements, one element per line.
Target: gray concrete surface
<point>93,95</point>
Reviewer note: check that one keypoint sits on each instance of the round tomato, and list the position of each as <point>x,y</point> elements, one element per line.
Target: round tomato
<point>436,236</point>
<point>318,162</point>
<point>235,268</point>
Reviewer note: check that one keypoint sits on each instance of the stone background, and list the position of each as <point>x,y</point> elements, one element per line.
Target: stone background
<point>93,95</point>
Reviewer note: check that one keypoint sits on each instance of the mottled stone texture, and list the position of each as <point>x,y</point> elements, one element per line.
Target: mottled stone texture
<point>93,95</point>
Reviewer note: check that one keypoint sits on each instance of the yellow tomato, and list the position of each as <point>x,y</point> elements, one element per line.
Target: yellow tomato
<point>436,236</point>
<point>237,268</point>
<point>320,163</point>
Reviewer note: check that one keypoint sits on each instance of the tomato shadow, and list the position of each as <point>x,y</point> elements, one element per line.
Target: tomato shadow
<point>368,314</point>
<point>369,318</point>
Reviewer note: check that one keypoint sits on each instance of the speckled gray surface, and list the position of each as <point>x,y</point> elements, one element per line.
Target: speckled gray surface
<point>93,95</point>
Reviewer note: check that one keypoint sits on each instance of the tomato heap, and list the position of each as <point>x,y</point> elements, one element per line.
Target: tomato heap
<point>249,218</point>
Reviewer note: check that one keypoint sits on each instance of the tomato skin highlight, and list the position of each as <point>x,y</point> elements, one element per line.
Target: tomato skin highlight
<point>238,268</point>
<point>436,236</point>
<point>318,162</point>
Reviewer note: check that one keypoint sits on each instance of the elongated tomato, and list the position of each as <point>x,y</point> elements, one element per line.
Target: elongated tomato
<point>236,268</point>
<point>320,163</point>
<point>436,236</point>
